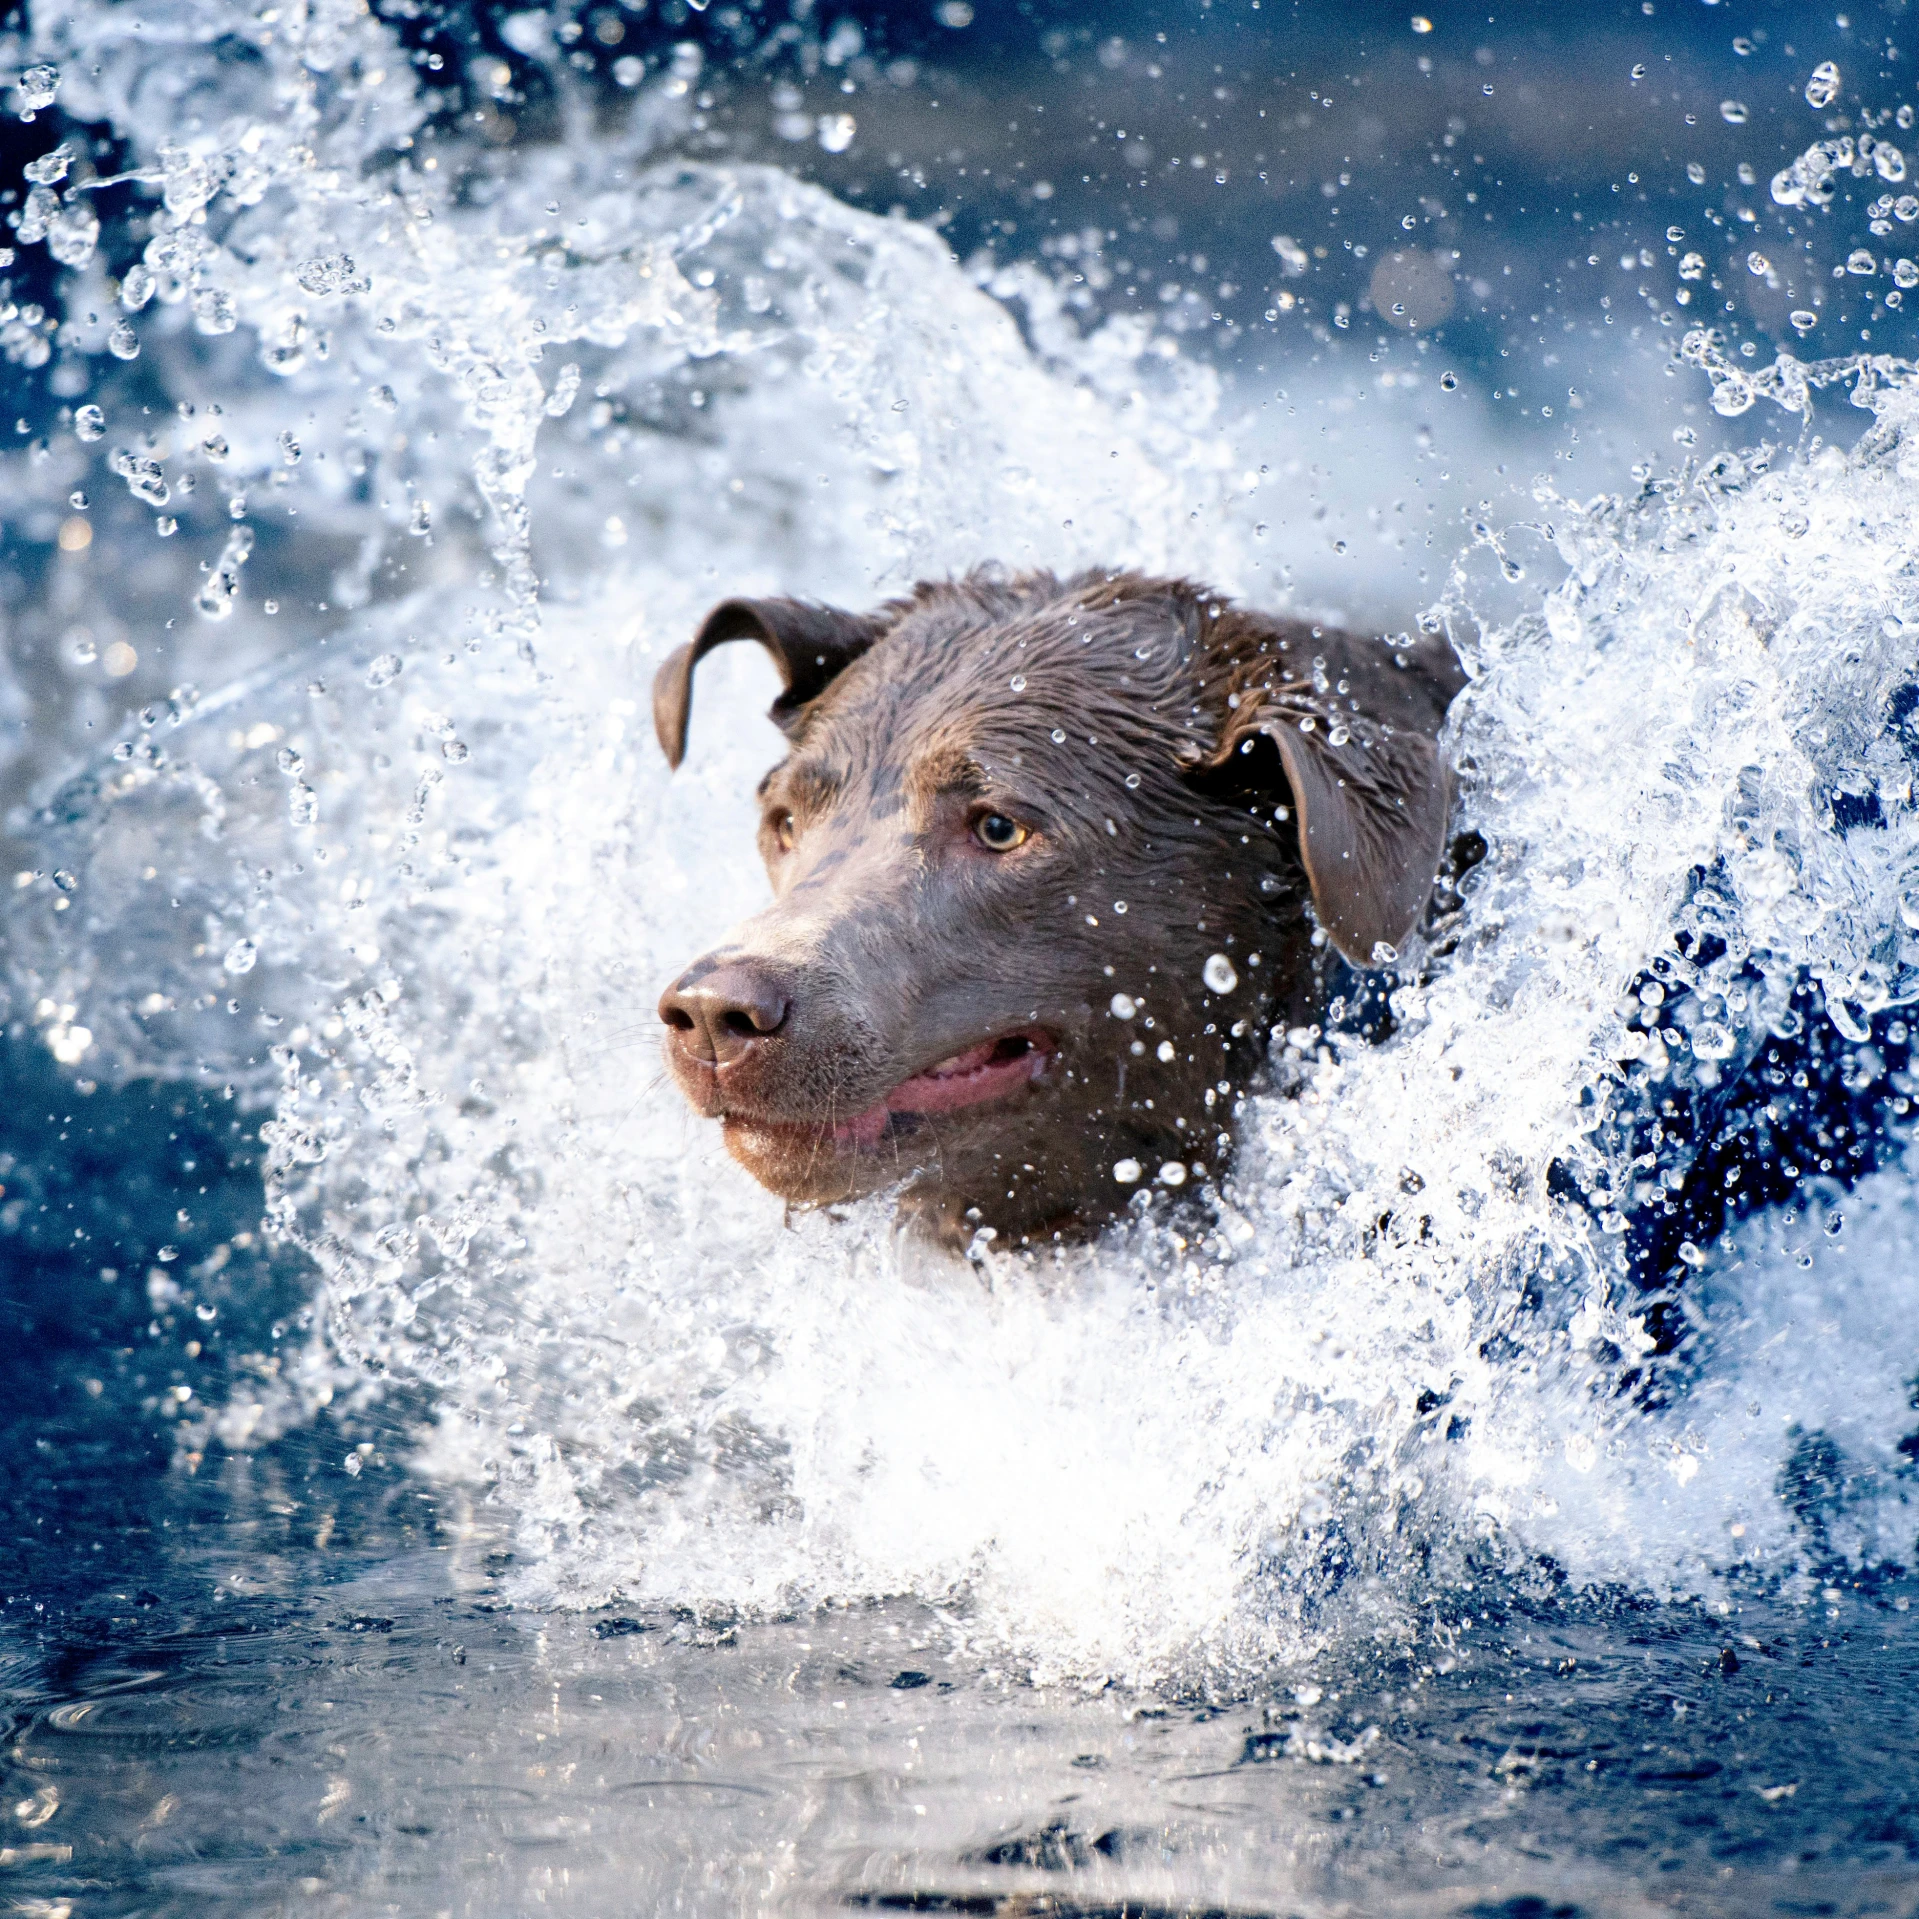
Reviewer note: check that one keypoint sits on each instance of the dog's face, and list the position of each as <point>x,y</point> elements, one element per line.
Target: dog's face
<point>1029,926</point>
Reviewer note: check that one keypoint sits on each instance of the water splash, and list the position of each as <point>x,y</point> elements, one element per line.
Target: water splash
<point>412,876</point>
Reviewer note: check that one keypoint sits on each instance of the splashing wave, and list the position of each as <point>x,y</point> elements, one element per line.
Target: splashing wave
<point>412,878</point>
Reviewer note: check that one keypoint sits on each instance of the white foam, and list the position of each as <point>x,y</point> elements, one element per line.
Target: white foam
<point>1143,1455</point>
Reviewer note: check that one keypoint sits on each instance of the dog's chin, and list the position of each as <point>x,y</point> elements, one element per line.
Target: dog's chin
<point>804,1163</point>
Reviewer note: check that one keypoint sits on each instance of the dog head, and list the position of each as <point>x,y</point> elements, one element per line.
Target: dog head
<point>1047,858</point>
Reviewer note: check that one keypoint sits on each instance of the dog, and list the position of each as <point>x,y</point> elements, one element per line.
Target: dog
<point>1051,858</point>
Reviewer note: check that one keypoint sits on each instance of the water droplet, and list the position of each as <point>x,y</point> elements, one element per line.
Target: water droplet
<point>241,957</point>
<point>1421,24</point>
<point>1018,682</point>
<point>136,288</point>
<point>1127,1171</point>
<point>1733,112</point>
<point>1172,1174</point>
<point>65,881</point>
<point>214,311</point>
<point>330,273</point>
<point>836,129</point>
<point>1823,88</point>
<point>455,751</point>
<point>1449,381</point>
<point>1639,73</point>
<point>1164,1052</point>
<point>73,233</point>
<point>1861,261</point>
<point>1132,782</point>
<point>1385,953</point>
<point>123,343</point>
<point>1712,1040</point>
<point>1124,1006</point>
<point>1219,973</point>
<point>290,762</point>
<point>385,670</point>
<point>89,423</point>
<point>1803,321</point>
<point>1695,173</point>
<point>50,167</point>
<point>1692,266</point>
<point>1758,264</point>
<point>35,89</point>
<point>1058,736</point>
<point>1119,906</point>
<point>37,215</point>
<point>216,597</point>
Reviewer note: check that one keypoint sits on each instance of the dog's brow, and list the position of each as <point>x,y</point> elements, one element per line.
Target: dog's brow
<point>948,771</point>
<point>812,783</point>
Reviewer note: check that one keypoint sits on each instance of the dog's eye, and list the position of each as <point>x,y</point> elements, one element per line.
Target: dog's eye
<point>784,832</point>
<point>997,833</point>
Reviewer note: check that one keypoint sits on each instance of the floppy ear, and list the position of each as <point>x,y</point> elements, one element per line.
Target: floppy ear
<point>809,644</point>
<point>1371,800</point>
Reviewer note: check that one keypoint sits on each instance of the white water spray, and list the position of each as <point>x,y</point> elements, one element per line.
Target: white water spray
<point>496,444</point>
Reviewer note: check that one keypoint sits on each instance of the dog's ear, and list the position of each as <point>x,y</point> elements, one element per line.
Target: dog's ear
<point>1370,790</point>
<point>809,644</point>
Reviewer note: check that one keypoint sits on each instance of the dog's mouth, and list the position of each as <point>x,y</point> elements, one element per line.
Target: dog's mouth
<point>994,1069</point>
<point>989,1071</point>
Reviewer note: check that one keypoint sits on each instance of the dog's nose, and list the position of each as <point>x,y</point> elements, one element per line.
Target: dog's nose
<point>716,1015</point>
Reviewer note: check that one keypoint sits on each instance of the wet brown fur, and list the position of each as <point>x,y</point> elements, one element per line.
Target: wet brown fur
<point>1165,828</point>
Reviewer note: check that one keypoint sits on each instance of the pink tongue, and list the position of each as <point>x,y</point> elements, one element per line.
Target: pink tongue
<point>963,1080</point>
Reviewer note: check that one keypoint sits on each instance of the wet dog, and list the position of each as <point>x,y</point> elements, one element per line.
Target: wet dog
<point>1050,859</point>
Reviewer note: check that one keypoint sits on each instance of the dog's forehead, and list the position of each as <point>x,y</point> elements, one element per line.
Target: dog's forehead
<point>952,669</point>
<point>891,716</point>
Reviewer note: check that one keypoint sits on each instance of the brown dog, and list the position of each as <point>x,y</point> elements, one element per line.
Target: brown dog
<point>1047,857</point>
